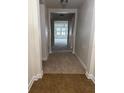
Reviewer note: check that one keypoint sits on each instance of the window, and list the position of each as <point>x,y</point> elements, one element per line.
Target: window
<point>60,31</point>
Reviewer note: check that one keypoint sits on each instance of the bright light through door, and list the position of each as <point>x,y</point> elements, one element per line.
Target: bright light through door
<point>60,33</point>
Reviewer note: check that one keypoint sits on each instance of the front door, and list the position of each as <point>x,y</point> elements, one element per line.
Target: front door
<point>60,35</point>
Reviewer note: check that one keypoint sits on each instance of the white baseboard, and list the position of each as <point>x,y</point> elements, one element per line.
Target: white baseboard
<point>73,52</point>
<point>44,58</point>
<point>34,78</point>
<point>85,67</point>
<point>31,83</point>
<point>50,52</point>
<point>90,76</point>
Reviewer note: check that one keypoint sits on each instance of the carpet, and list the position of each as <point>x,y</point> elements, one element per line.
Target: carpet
<point>62,63</point>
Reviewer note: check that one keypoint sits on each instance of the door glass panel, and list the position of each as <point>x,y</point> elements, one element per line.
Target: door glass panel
<point>60,33</point>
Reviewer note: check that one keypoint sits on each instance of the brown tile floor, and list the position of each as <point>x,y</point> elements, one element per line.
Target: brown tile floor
<point>63,63</point>
<point>63,83</point>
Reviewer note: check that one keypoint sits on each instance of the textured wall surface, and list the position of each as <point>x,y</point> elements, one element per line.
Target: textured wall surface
<point>34,40</point>
<point>84,35</point>
<point>44,30</point>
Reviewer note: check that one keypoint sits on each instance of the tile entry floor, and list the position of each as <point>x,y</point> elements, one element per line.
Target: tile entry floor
<point>63,83</point>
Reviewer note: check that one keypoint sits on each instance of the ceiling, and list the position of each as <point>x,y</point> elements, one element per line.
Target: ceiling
<point>56,16</point>
<point>56,3</point>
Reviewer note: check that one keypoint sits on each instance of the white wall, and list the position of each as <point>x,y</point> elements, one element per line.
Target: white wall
<point>91,70</point>
<point>85,33</point>
<point>92,61</point>
<point>44,30</point>
<point>34,41</point>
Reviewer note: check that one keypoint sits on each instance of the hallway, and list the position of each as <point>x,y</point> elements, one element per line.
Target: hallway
<point>66,44</point>
<point>63,73</point>
<point>62,63</point>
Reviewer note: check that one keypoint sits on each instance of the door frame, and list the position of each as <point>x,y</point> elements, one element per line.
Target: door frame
<point>64,11</point>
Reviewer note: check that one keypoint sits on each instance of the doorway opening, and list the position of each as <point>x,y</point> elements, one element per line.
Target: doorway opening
<point>62,26</point>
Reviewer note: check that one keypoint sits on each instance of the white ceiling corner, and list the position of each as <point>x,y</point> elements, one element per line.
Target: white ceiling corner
<point>56,3</point>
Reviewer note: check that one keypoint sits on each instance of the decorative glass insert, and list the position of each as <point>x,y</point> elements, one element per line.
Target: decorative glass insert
<point>60,32</point>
